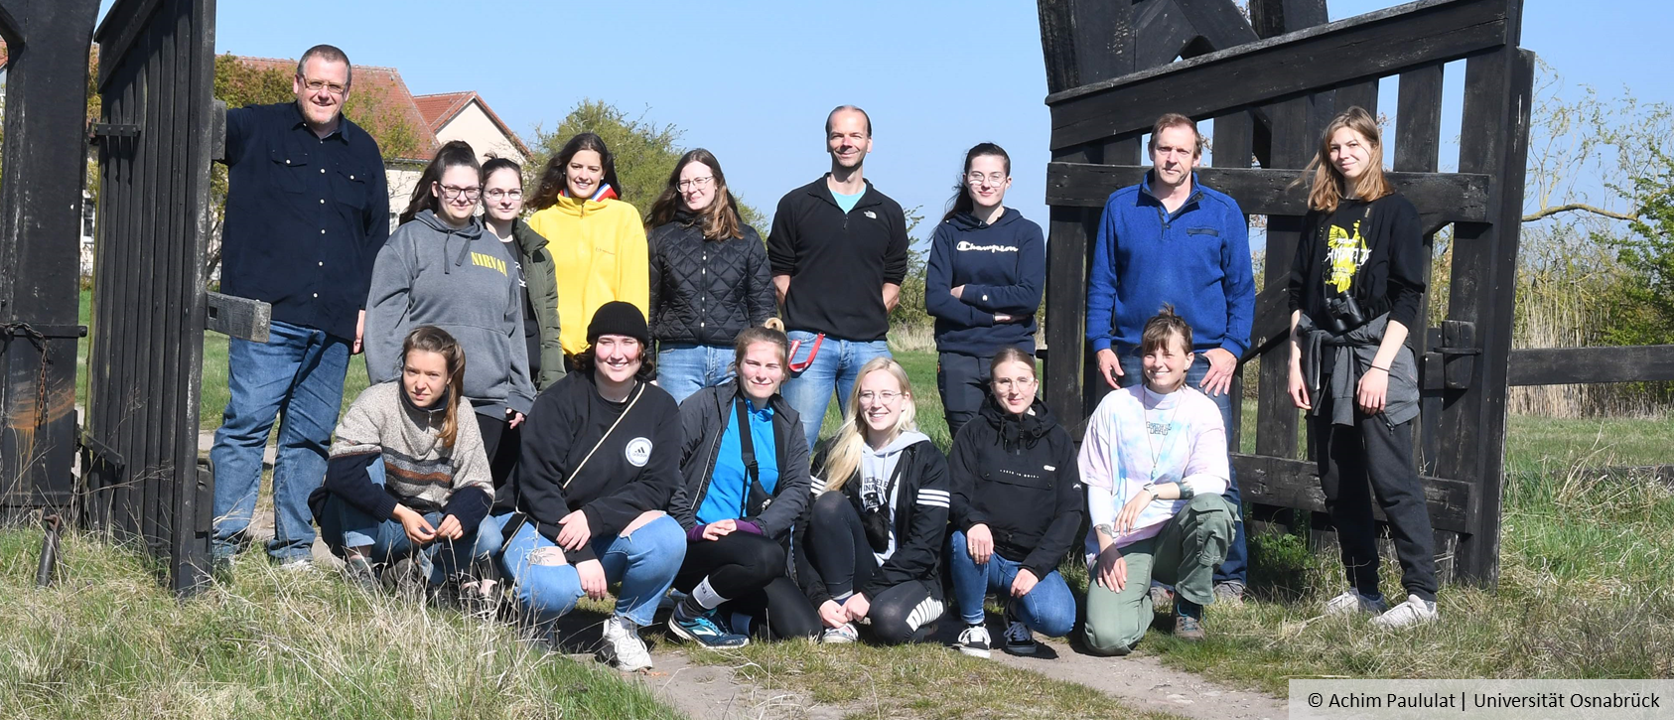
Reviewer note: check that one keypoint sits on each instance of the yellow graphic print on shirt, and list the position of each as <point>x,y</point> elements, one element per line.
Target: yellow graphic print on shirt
<point>1345,252</point>
<point>489,261</point>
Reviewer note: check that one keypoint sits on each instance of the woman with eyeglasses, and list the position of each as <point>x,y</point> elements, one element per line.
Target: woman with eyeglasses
<point>596,240</point>
<point>439,268</point>
<point>1017,506</point>
<point>870,549</point>
<point>983,283</point>
<point>709,277</point>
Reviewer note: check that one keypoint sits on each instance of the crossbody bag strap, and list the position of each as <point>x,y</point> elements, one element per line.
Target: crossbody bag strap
<point>640,391</point>
<point>747,448</point>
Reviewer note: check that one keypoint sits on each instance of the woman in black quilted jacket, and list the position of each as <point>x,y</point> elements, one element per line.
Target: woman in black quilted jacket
<point>709,277</point>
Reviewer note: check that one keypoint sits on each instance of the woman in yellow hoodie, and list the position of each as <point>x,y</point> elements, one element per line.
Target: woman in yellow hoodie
<point>597,241</point>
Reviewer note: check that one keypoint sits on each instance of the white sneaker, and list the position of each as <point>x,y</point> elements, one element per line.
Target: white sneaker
<point>842,634</point>
<point>975,642</point>
<point>1351,602</point>
<point>1414,611</point>
<point>623,648</point>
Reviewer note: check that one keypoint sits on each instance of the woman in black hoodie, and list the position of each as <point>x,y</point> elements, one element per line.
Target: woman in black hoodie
<point>709,276</point>
<point>983,282</point>
<point>871,547</point>
<point>1017,506</point>
<point>601,456</point>
<point>745,462</point>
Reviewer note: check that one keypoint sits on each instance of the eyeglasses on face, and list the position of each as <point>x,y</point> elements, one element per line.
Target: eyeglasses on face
<point>455,193</point>
<point>318,85</point>
<point>498,194</point>
<point>884,396</point>
<point>695,183</point>
<point>976,178</point>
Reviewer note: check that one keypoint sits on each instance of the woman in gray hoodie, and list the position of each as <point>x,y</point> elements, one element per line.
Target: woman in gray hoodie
<point>440,268</point>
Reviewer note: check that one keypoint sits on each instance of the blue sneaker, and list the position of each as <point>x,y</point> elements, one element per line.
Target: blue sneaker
<point>704,631</point>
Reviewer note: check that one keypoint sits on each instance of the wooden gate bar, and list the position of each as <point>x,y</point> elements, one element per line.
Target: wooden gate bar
<point>1363,48</point>
<point>1585,365</point>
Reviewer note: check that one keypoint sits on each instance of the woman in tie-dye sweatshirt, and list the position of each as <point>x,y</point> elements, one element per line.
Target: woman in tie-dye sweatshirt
<point>1155,466</point>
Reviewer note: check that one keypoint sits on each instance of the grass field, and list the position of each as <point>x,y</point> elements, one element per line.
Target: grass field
<point>1585,588</point>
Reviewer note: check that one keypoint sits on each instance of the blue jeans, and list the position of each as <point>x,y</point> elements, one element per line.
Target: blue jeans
<point>1049,609</point>
<point>836,367</point>
<point>297,375</point>
<point>343,525</point>
<point>644,562</point>
<point>685,369</point>
<point>1236,566</point>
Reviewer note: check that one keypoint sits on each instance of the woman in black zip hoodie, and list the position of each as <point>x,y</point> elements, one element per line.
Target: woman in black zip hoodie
<point>1017,507</point>
<point>871,546</point>
<point>738,516</point>
<point>600,458</point>
<point>983,282</point>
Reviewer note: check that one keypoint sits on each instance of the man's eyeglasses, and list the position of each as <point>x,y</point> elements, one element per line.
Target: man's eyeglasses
<point>976,178</point>
<point>318,85</point>
<point>454,193</point>
<point>884,396</point>
<point>695,183</point>
<point>498,194</point>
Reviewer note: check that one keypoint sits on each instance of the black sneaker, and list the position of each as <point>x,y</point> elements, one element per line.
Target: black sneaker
<point>1019,640</point>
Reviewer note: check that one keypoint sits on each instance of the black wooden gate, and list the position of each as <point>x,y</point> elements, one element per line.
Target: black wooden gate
<point>40,222</point>
<point>1270,84</point>
<point>156,141</point>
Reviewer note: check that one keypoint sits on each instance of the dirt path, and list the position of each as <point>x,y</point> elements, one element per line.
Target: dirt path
<point>712,692</point>
<point>1144,683</point>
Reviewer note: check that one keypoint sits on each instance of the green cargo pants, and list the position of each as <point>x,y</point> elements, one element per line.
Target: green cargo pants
<point>1184,555</point>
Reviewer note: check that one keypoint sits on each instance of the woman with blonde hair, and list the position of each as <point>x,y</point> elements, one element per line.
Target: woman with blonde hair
<point>1355,288</point>
<point>870,549</point>
<point>709,276</point>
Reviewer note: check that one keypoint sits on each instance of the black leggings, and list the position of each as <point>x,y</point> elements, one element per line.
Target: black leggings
<point>838,549</point>
<point>749,570</point>
<point>503,444</point>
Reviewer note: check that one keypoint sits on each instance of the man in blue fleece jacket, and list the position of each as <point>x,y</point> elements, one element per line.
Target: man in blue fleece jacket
<point>1171,240</point>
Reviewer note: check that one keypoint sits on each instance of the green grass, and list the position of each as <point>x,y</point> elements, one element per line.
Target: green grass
<point>108,642</point>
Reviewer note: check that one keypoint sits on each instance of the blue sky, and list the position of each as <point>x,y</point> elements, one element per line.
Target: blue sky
<point>752,81</point>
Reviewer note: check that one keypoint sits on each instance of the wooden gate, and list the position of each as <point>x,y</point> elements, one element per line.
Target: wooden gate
<point>1270,84</point>
<point>144,365</point>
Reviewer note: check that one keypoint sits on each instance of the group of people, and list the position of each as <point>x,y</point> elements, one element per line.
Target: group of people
<point>582,396</point>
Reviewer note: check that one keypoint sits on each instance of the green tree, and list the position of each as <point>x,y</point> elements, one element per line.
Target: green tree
<point>910,310</point>
<point>645,154</point>
<point>1647,295</point>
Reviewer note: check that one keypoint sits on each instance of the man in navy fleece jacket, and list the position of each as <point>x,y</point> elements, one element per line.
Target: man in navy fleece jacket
<point>1171,240</point>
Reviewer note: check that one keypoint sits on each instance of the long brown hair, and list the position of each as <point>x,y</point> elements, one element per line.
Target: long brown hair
<point>719,219</point>
<point>457,153</point>
<point>1329,185</point>
<point>430,338</point>
<point>961,201</point>
<point>555,179</point>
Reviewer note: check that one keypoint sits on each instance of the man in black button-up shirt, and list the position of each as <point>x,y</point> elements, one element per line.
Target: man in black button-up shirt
<point>307,212</point>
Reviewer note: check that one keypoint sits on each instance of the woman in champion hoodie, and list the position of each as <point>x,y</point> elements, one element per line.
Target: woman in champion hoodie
<point>983,284</point>
<point>1017,507</point>
<point>597,241</point>
<point>1154,461</point>
<point>870,549</point>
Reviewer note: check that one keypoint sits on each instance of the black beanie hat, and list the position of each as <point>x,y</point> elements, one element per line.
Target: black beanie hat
<point>619,318</point>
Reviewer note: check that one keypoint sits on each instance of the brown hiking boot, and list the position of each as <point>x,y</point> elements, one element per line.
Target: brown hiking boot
<point>1188,628</point>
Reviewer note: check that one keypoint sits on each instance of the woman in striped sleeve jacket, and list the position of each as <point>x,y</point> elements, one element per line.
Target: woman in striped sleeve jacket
<point>870,548</point>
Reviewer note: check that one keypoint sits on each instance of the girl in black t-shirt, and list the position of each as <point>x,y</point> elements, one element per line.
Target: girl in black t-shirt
<point>1355,286</point>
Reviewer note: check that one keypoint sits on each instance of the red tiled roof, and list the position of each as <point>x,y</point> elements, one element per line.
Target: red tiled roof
<point>441,108</point>
<point>381,85</point>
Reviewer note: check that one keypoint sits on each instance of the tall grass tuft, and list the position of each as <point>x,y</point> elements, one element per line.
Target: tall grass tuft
<point>107,642</point>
